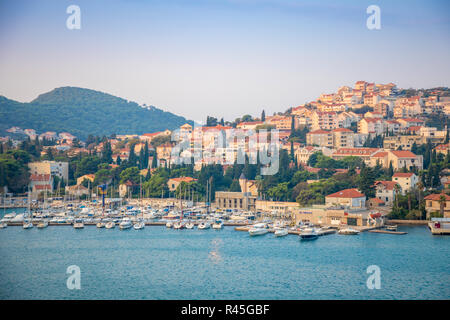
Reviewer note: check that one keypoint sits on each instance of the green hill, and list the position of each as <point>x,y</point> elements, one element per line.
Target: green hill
<point>83,112</point>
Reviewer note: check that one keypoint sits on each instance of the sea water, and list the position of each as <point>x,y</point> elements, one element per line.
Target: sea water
<point>161,263</point>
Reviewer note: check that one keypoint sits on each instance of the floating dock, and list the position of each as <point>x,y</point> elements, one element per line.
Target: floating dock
<point>443,229</point>
<point>387,231</point>
<point>295,232</point>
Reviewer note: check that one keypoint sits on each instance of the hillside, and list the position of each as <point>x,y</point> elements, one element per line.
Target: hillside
<point>83,112</point>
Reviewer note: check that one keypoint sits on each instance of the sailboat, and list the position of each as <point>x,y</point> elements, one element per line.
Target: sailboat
<point>3,225</point>
<point>180,224</point>
<point>44,223</point>
<point>140,224</point>
<point>28,224</point>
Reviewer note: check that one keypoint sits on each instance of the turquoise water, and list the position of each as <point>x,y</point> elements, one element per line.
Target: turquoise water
<point>160,263</point>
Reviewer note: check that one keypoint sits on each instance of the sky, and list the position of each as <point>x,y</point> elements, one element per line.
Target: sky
<point>223,58</point>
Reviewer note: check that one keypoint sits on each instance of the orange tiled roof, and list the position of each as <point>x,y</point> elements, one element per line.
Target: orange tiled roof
<point>388,184</point>
<point>403,175</point>
<point>403,154</point>
<point>437,197</point>
<point>347,193</point>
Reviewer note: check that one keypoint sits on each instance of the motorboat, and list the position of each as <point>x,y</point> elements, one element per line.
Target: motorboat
<point>43,224</point>
<point>100,224</point>
<point>189,225</point>
<point>258,229</point>
<point>348,231</point>
<point>3,225</point>
<point>125,224</point>
<point>78,224</point>
<point>391,228</point>
<point>27,224</point>
<point>139,225</point>
<point>204,225</point>
<point>169,224</point>
<point>218,224</point>
<point>179,225</point>
<point>281,232</point>
<point>110,225</point>
<point>18,218</point>
<point>308,234</point>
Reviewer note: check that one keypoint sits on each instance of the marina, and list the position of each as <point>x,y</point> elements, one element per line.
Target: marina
<point>161,263</point>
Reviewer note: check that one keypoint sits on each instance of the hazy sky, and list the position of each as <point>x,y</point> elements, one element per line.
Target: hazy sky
<point>223,58</point>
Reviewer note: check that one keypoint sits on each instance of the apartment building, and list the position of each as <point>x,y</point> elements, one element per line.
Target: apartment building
<point>53,168</point>
<point>374,126</point>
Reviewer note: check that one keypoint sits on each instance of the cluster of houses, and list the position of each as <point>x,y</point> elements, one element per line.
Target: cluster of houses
<point>335,128</point>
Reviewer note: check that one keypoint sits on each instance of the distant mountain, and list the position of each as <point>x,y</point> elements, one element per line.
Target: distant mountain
<point>83,112</point>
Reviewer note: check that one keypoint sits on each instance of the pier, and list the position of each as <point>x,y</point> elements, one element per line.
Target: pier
<point>439,226</point>
<point>387,231</point>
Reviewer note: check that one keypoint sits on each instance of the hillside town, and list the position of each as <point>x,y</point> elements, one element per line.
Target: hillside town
<point>348,157</point>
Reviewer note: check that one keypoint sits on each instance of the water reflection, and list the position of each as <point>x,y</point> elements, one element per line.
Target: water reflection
<point>214,254</point>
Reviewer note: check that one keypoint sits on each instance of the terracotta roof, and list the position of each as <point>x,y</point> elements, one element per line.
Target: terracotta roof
<point>184,179</point>
<point>342,130</point>
<point>356,151</point>
<point>388,184</point>
<point>443,147</point>
<point>380,154</point>
<point>402,175</point>
<point>411,120</point>
<point>346,193</point>
<point>319,131</point>
<point>43,187</point>
<point>40,177</point>
<point>376,200</point>
<point>404,154</point>
<point>437,197</point>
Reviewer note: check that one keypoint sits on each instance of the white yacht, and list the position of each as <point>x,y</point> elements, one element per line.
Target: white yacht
<point>190,225</point>
<point>348,231</point>
<point>308,234</point>
<point>125,224</point>
<point>179,225</point>
<point>27,224</point>
<point>43,224</point>
<point>101,224</point>
<point>139,225</point>
<point>3,225</point>
<point>258,229</point>
<point>8,217</point>
<point>78,224</point>
<point>204,225</point>
<point>218,224</point>
<point>110,225</point>
<point>281,232</point>
<point>18,218</point>
<point>169,224</point>
<point>391,228</point>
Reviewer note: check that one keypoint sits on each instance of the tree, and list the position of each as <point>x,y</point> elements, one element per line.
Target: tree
<point>132,158</point>
<point>397,190</point>
<point>441,205</point>
<point>157,185</point>
<point>132,174</point>
<point>366,181</point>
<point>106,152</point>
<point>263,116</point>
<point>211,121</point>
